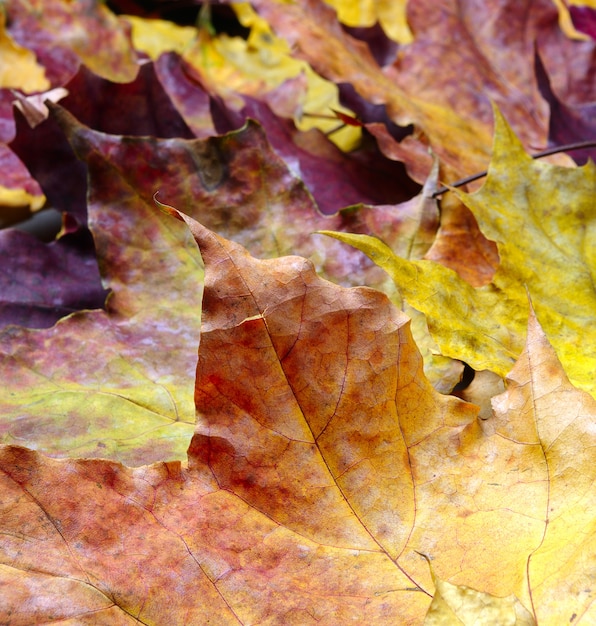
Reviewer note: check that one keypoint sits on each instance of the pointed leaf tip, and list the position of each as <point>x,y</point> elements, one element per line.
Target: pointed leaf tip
<point>210,244</point>
<point>167,209</point>
<point>506,144</point>
<point>199,232</point>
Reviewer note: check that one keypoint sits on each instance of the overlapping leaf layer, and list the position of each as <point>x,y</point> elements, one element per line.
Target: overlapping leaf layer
<point>242,433</point>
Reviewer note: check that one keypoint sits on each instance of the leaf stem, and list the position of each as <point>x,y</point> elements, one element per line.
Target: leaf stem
<point>566,148</point>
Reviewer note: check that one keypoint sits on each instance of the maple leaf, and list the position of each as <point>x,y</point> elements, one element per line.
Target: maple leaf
<point>542,219</point>
<point>442,83</point>
<point>43,46</point>
<point>334,54</point>
<point>147,308</point>
<point>64,34</point>
<point>61,399</point>
<point>335,179</point>
<point>321,463</point>
<point>391,16</point>
<point>326,480</point>
<point>457,61</point>
<point>320,163</point>
<point>29,302</point>
<point>252,66</point>
<point>427,84</point>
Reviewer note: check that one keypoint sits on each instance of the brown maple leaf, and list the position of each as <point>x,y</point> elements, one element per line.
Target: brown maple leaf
<point>323,464</point>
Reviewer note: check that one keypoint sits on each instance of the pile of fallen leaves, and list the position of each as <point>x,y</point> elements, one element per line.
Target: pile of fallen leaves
<point>392,419</point>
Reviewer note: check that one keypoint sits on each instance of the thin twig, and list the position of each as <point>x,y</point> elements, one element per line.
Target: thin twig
<point>568,148</point>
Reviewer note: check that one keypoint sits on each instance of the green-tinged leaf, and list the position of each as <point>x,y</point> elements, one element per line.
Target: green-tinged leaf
<point>323,464</point>
<point>118,384</point>
<point>543,219</point>
<point>455,605</point>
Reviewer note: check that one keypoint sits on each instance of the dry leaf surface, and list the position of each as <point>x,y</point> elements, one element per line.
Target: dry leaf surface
<point>321,465</point>
<point>326,480</point>
<point>542,218</point>
<point>67,404</point>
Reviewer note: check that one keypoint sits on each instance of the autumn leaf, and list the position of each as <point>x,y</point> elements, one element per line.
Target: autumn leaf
<point>335,179</point>
<point>49,157</point>
<point>391,16</point>
<point>27,301</point>
<point>65,34</point>
<point>466,56</point>
<point>306,497</point>
<point>63,384</point>
<point>43,46</point>
<point>253,66</point>
<point>69,265</point>
<point>445,79</point>
<point>18,67</point>
<point>341,58</point>
<point>327,480</point>
<point>442,84</point>
<point>162,90</point>
<point>541,217</point>
<point>566,440</point>
<point>63,410</point>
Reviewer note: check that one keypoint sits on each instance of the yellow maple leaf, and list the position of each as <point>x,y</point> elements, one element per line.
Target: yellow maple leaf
<point>153,36</point>
<point>252,66</point>
<point>543,219</point>
<point>18,66</point>
<point>391,16</point>
<point>565,21</point>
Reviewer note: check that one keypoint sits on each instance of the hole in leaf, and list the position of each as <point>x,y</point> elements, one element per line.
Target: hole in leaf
<point>465,381</point>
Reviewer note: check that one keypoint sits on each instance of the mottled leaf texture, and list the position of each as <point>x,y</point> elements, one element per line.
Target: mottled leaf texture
<point>318,478</point>
<point>114,383</point>
<point>26,300</point>
<point>322,467</point>
<point>63,386</point>
<point>64,34</point>
<point>543,219</point>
